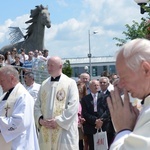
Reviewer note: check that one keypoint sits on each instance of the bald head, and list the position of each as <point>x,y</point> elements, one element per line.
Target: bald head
<point>94,86</point>
<point>54,66</point>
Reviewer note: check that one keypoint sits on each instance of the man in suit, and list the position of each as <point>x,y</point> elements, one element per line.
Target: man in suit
<point>95,112</point>
<point>97,115</point>
<point>91,112</point>
<point>107,123</point>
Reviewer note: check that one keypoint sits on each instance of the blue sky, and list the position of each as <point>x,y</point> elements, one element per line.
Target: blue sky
<point>71,20</point>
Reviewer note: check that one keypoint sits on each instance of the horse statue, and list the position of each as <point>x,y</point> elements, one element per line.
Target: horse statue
<point>34,38</point>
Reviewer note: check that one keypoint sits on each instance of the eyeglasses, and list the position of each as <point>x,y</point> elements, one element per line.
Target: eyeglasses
<point>103,82</point>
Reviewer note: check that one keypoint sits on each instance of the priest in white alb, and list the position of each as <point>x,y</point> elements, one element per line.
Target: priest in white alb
<point>56,110</point>
<point>17,126</point>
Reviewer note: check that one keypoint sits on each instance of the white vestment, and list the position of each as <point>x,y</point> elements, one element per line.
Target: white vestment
<point>139,138</point>
<point>17,124</point>
<point>1,91</point>
<point>33,90</point>
<point>58,100</point>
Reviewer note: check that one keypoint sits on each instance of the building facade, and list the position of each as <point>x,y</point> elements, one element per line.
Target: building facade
<point>99,65</point>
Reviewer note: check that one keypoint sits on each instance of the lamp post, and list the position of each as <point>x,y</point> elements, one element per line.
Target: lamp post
<point>90,54</point>
<point>142,4</point>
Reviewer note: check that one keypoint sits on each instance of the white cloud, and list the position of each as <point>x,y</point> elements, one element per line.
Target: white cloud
<point>62,3</point>
<point>70,38</point>
<point>4,30</point>
<point>109,21</point>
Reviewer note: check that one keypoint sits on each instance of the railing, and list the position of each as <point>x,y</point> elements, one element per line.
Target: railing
<point>39,74</point>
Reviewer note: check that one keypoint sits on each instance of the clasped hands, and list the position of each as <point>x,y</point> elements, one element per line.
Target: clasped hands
<point>123,114</point>
<point>49,123</point>
<point>98,123</point>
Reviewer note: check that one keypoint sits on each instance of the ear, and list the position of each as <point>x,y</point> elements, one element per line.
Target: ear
<point>146,68</point>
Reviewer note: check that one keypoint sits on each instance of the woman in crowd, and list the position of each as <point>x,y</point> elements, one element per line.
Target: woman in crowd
<point>82,92</point>
<point>7,55</point>
<point>12,55</point>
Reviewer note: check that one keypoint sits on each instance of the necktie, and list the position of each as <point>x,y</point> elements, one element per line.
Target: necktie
<point>95,102</point>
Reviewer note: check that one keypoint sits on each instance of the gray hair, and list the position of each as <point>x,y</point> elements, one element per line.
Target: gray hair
<point>30,74</point>
<point>93,81</point>
<point>104,78</point>
<point>10,70</point>
<point>135,52</point>
<point>84,75</point>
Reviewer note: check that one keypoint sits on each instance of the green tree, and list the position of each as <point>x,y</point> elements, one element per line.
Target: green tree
<point>67,70</point>
<point>136,30</point>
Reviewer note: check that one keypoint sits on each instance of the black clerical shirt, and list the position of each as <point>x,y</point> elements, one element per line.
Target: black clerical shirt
<point>56,78</point>
<point>7,94</point>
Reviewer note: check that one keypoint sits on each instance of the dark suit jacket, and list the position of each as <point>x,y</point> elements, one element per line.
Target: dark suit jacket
<point>91,116</point>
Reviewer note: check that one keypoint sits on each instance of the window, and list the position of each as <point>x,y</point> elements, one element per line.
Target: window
<point>94,71</point>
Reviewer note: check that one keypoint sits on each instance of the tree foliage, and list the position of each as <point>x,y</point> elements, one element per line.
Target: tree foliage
<point>67,70</point>
<point>136,30</point>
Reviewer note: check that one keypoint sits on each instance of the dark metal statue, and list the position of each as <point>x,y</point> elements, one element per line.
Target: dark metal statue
<point>34,38</point>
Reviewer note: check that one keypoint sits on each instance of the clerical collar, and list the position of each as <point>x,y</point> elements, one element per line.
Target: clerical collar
<point>7,94</point>
<point>56,78</point>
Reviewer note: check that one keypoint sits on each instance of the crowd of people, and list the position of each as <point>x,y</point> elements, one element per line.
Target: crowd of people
<point>94,110</point>
<point>64,114</point>
<point>20,58</point>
